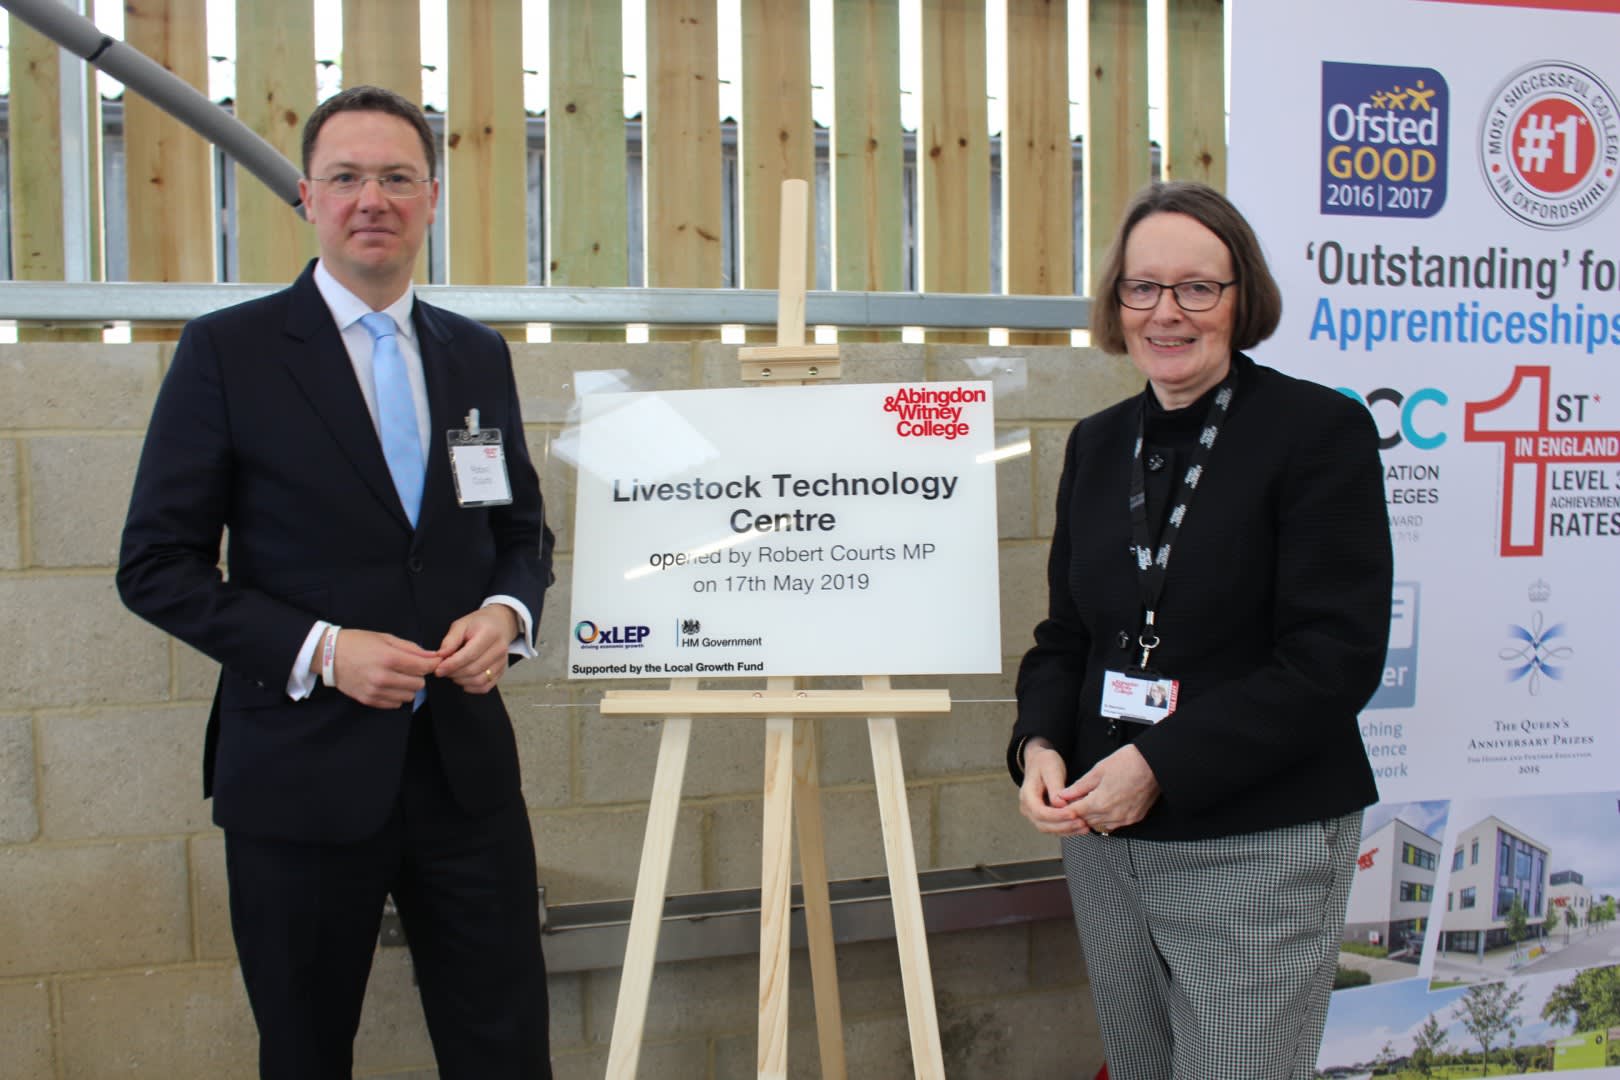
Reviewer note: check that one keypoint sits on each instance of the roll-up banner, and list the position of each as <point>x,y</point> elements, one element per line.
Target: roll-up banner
<point>1435,184</point>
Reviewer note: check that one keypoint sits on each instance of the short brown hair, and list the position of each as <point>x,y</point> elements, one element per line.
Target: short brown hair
<point>1259,303</point>
<point>369,99</point>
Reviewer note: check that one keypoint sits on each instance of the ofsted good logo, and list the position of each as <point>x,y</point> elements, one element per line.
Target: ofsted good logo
<point>1383,140</point>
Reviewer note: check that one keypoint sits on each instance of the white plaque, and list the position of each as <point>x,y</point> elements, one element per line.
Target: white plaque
<point>819,530</point>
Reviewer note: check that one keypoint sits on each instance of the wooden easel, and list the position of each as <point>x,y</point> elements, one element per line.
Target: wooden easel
<point>791,774</point>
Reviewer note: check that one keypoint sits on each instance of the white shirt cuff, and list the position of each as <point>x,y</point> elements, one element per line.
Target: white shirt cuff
<point>523,644</point>
<point>301,683</point>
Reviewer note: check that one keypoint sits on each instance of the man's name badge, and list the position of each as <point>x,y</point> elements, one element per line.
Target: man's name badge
<point>478,465</point>
<point>1140,697</point>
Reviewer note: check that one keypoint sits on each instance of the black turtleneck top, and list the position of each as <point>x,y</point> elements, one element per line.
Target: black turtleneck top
<point>1168,439</point>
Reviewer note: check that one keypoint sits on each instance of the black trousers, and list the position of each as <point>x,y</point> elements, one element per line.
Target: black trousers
<point>306,916</point>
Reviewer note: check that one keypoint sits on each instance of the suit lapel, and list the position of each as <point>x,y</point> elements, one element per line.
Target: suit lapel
<point>320,365</point>
<point>441,372</point>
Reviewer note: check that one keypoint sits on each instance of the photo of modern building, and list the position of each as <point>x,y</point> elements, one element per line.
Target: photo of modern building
<point>1393,891</point>
<point>1510,871</point>
<point>1567,893</point>
<point>1493,865</point>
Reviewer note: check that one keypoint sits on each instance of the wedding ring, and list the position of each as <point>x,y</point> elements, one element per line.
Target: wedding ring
<point>489,674</point>
<point>1101,832</point>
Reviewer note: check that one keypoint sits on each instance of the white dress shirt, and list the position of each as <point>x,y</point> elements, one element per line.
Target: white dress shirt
<point>347,310</point>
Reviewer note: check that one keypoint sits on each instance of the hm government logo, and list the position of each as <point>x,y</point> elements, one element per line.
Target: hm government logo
<point>1549,145</point>
<point>1575,464</point>
<point>1537,650</point>
<point>1384,139</point>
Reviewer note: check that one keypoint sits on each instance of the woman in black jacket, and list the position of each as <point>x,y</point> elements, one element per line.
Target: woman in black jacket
<point>1222,535</point>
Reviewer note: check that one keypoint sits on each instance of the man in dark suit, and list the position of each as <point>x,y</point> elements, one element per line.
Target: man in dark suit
<point>357,745</point>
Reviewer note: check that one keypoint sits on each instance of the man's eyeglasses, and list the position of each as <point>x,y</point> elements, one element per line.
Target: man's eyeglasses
<point>395,185</point>
<point>1143,295</point>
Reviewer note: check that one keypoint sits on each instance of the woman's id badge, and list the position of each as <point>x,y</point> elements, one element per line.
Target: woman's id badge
<point>478,465</point>
<point>1142,697</point>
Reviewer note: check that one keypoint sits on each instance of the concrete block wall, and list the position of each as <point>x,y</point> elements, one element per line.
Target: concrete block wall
<point>115,948</point>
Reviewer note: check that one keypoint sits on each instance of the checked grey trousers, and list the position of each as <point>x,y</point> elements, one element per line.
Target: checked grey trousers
<point>1213,959</point>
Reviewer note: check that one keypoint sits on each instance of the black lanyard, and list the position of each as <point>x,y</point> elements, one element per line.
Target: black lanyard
<point>1151,566</point>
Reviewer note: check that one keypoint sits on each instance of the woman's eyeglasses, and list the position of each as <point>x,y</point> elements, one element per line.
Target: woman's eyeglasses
<point>1143,295</point>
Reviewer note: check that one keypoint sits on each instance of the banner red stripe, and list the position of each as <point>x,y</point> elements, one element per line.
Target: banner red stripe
<point>1607,7</point>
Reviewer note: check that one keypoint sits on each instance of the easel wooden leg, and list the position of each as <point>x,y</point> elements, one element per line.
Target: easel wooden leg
<point>817,906</point>
<point>775,894</point>
<point>776,854</point>
<point>910,936</point>
<point>647,912</point>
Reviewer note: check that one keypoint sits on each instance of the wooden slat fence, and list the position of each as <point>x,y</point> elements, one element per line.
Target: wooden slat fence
<point>172,207</point>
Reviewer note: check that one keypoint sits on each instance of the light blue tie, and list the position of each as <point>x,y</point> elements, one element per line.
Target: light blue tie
<point>396,419</point>
<point>396,413</point>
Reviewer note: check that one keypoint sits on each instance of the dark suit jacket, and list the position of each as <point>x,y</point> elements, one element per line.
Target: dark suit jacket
<point>1275,613</point>
<point>260,429</point>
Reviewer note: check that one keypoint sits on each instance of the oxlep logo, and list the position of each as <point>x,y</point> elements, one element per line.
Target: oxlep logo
<point>591,636</point>
<point>1384,140</point>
